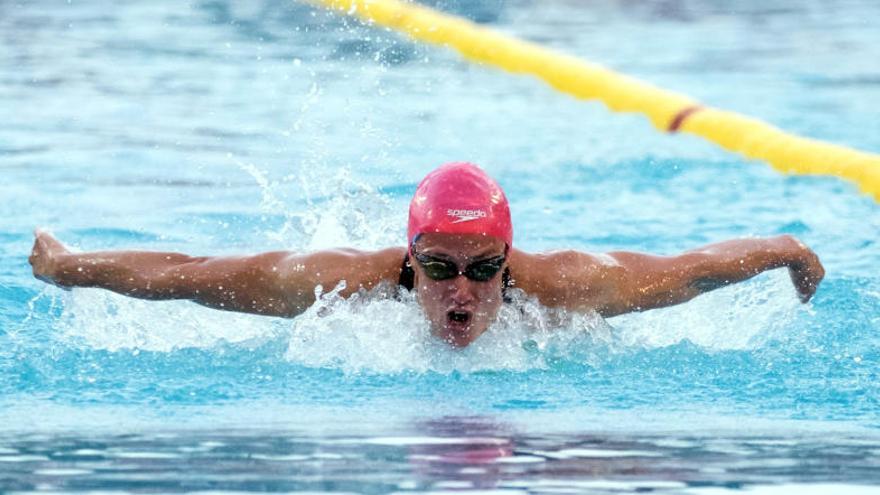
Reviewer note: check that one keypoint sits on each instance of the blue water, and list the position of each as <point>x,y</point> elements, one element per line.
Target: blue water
<point>229,127</point>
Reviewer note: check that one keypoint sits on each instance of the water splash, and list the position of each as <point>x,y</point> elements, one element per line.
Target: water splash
<point>326,207</point>
<point>739,317</point>
<point>104,320</point>
<point>372,332</point>
<point>385,330</point>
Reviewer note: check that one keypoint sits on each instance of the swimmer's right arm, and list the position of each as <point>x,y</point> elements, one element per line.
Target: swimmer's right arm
<point>275,283</point>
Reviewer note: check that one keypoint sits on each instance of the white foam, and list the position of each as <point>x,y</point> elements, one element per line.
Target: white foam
<point>739,317</point>
<point>104,320</point>
<point>377,333</point>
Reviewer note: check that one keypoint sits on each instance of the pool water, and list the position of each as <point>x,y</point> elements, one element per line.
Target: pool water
<point>222,127</point>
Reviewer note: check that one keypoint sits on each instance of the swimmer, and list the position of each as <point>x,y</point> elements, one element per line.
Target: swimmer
<point>459,259</point>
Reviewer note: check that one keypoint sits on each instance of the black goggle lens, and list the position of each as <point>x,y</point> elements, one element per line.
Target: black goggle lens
<point>440,269</point>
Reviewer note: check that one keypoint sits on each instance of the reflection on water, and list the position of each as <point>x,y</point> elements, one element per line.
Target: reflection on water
<point>443,453</point>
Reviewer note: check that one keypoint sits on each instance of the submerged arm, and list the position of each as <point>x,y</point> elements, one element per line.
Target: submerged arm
<point>622,282</point>
<point>275,283</point>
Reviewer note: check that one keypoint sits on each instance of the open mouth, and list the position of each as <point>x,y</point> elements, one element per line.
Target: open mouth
<point>458,318</point>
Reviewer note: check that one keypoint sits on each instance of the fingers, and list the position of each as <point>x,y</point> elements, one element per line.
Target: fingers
<point>806,295</point>
<point>43,255</point>
<point>46,239</point>
<point>41,234</point>
<point>46,243</point>
<point>807,276</point>
<point>37,250</point>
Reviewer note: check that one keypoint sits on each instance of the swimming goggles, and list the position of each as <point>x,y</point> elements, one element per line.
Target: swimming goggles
<point>441,269</point>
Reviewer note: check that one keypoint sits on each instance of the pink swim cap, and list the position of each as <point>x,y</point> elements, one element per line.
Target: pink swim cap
<point>459,198</point>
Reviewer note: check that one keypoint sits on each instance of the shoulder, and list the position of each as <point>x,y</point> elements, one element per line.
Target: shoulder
<point>556,264</point>
<point>359,268</point>
<point>556,277</point>
<point>345,259</point>
<point>388,260</point>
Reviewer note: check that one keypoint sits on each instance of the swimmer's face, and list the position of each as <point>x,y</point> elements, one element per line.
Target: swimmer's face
<point>459,309</point>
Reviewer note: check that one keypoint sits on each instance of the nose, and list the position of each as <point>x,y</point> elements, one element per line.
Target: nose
<point>462,292</point>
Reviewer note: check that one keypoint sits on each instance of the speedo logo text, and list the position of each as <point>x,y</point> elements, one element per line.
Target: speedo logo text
<point>465,215</point>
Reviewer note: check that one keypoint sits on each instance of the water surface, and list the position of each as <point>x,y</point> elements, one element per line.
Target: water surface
<point>223,127</point>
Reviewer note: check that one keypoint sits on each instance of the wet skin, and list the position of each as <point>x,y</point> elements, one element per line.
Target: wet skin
<point>459,309</point>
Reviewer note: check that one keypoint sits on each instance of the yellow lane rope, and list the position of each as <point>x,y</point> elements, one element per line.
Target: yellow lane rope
<point>668,111</point>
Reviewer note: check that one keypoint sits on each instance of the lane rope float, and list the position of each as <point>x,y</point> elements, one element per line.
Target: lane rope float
<point>668,111</point>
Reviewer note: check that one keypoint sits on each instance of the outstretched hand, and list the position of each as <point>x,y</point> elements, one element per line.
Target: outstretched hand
<point>45,255</point>
<point>806,271</point>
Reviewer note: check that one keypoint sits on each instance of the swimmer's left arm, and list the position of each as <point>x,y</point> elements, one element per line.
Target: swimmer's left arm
<point>623,282</point>
<point>641,282</point>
